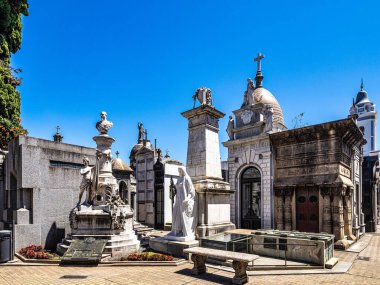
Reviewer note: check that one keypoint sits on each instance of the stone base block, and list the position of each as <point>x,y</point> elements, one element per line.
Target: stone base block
<point>175,248</point>
<point>176,238</point>
<point>331,263</point>
<point>342,244</point>
<point>25,235</point>
<point>209,230</point>
<point>124,243</point>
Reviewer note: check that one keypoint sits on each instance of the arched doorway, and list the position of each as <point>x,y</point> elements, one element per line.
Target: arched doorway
<point>250,198</point>
<point>123,192</point>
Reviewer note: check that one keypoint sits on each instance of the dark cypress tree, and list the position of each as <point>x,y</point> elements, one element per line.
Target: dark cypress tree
<point>11,12</point>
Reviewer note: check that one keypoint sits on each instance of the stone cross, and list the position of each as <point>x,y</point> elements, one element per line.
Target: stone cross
<point>258,59</point>
<point>58,128</point>
<point>117,154</point>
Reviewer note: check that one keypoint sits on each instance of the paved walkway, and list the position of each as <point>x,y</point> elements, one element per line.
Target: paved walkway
<point>365,270</point>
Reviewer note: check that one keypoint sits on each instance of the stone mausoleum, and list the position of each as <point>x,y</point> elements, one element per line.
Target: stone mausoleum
<point>41,185</point>
<point>250,156</point>
<point>306,179</point>
<point>317,181</point>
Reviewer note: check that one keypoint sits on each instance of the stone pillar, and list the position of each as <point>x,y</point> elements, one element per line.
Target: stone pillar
<point>327,217</point>
<point>348,214</point>
<point>288,192</point>
<point>204,168</point>
<point>279,198</point>
<point>338,220</point>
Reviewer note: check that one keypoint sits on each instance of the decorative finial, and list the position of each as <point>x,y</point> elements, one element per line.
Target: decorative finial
<point>58,137</point>
<point>259,76</point>
<point>167,154</point>
<point>258,59</point>
<point>204,96</point>
<point>117,154</point>
<point>146,134</point>
<point>361,85</point>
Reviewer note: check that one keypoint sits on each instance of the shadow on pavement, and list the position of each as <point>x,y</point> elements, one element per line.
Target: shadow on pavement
<point>209,277</point>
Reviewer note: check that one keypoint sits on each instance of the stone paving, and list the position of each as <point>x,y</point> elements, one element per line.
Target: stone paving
<point>365,270</point>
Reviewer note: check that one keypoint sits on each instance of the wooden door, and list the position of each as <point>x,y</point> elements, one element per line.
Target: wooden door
<point>159,208</point>
<point>307,209</point>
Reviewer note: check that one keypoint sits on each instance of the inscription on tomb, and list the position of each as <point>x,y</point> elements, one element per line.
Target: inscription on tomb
<point>270,243</point>
<point>84,251</point>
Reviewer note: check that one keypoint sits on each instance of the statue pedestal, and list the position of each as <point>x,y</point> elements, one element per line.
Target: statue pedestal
<point>172,247</point>
<point>178,238</point>
<point>91,221</point>
<point>213,207</point>
<point>204,167</point>
<point>107,218</point>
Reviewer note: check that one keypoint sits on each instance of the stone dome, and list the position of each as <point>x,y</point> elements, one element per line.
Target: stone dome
<point>135,149</point>
<point>263,96</point>
<point>119,164</point>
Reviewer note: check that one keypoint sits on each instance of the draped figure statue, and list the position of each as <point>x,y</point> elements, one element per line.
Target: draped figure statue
<point>185,209</point>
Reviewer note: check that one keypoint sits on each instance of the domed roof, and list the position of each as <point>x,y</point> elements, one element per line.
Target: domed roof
<point>119,164</point>
<point>135,149</point>
<point>263,96</point>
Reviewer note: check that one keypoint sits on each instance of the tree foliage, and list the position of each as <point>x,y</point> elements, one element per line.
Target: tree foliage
<point>11,12</point>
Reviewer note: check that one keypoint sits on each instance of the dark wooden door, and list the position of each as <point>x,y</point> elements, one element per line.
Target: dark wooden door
<point>159,208</point>
<point>307,209</point>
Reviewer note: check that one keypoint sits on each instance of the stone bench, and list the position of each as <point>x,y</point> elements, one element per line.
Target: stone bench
<point>240,261</point>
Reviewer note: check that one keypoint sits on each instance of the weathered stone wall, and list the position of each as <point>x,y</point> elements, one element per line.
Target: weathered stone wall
<point>145,186</point>
<point>46,181</point>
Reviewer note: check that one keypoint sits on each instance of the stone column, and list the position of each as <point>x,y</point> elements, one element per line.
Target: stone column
<point>348,214</point>
<point>288,192</point>
<point>204,168</point>
<point>279,198</point>
<point>327,218</point>
<point>338,220</point>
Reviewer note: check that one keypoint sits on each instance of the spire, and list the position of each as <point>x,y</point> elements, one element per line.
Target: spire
<point>259,76</point>
<point>361,85</point>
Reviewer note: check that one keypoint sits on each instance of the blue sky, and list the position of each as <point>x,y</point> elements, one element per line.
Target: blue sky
<point>143,60</point>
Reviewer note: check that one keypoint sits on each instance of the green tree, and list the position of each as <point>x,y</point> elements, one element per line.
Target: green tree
<point>11,12</point>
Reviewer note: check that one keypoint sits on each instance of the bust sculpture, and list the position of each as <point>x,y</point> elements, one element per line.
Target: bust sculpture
<point>103,125</point>
<point>184,209</point>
